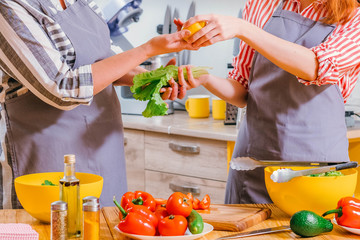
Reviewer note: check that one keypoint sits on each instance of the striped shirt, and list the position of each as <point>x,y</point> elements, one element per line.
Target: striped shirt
<point>338,56</point>
<point>37,56</point>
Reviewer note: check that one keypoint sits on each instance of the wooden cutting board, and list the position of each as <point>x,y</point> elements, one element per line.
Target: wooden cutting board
<point>234,217</point>
<point>227,217</point>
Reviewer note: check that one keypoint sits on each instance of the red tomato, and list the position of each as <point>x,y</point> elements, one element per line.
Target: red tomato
<point>161,212</point>
<point>173,225</point>
<point>190,197</point>
<point>160,201</point>
<point>179,204</point>
<point>205,203</point>
<point>196,204</point>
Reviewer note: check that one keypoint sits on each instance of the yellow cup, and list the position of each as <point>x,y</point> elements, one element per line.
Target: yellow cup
<point>198,106</point>
<point>218,109</point>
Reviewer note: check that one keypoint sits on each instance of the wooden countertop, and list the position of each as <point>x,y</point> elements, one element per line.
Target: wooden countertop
<point>278,218</point>
<point>180,123</point>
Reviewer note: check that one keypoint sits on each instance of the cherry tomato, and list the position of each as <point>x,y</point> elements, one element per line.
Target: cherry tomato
<point>160,201</point>
<point>161,212</point>
<point>179,204</point>
<point>173,225</point>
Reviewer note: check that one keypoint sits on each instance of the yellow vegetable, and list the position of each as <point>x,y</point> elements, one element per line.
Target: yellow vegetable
<point>194,28</point>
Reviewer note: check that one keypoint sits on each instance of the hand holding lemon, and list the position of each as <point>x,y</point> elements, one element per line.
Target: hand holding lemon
<point>194,28</point>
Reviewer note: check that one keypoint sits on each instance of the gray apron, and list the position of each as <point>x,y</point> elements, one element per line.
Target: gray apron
<point>285,119</point>
<point>40,135</point>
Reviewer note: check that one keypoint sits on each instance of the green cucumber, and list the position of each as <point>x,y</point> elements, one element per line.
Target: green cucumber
<point>195,222</point>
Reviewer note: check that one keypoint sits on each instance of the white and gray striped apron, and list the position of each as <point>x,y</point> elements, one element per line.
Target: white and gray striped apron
<point>39,135</point>
<point>287,120</point>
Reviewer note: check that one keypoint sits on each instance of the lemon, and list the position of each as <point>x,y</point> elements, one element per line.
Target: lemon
<point>194,28</point>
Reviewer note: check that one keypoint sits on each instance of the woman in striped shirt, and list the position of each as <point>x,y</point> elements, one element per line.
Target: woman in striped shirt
<point>298,62</point>
<point>57,98</point>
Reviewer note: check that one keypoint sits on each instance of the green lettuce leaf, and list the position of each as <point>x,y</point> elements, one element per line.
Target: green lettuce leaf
<point>147,85</point>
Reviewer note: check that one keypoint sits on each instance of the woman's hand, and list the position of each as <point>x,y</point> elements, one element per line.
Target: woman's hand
<point>167,43</point>
<point>218,28</point>
<point>178,89</point>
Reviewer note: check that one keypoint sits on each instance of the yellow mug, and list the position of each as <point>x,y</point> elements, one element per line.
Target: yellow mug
<point>218,109</point>
<point>198,106</point>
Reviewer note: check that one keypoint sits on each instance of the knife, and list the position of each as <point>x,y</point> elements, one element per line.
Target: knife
<point>186,53</point>
<point>167,20</point>
<point>257,232</point>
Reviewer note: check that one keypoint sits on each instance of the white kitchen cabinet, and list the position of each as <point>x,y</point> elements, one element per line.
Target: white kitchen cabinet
<point>168,163</point>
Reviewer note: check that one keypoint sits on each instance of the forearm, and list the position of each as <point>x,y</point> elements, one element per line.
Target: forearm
<point>127,79</point>
<point>227,89</point>
<point>119,68</point>
<point>293,58</point>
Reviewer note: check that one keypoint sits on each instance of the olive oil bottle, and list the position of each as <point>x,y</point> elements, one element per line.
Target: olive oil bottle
<point>70,193</point>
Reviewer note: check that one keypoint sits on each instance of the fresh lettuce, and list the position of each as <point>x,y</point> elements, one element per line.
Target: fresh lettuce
<point>147,86</point>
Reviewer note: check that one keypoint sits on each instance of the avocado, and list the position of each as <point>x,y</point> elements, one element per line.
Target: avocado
<point>309,224</point>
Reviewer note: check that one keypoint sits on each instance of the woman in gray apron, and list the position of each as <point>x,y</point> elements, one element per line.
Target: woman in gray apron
<point>42,128</point>
<point>288,117</point>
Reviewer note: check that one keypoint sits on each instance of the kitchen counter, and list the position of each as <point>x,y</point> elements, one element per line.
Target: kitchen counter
<point>107,231</point>
<point>180,123</point>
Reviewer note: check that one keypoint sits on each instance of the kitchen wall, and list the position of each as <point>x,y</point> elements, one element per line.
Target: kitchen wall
<point>216,56</point>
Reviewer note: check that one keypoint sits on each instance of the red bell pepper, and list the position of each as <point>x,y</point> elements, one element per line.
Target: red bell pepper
<point>130,199</point>
<point>140,209</point>
<point>347,212</point>
<point>137,220</point>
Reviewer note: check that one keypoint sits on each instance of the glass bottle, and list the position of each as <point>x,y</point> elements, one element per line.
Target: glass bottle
<point>70,193</point>
<point>59,220</point>
<point>91,221</point>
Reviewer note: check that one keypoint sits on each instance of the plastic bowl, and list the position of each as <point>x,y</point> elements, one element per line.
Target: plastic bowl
<point>36,199</point>
<point>316,194</point>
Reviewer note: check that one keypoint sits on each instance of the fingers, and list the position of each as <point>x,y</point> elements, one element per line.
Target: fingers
<point>190,78</point>
<point>203,35</point>
<point>198,18</point>
<point>165,93</point>
<point>175,89</point>
<point>184,33</point>
<point>211,41</point>
<point>171,62</point>
<point>181,77</point>
<point>182,91</point>
<point>182,83</point>
<point>178,23</point>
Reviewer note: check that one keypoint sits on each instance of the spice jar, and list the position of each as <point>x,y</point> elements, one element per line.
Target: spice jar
<point>91,199</point>
<point>59,220</point>
<point>91,220</point>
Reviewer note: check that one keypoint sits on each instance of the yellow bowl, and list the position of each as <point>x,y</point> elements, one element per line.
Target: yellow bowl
<point>36,199</point>
<point>317,194</point>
